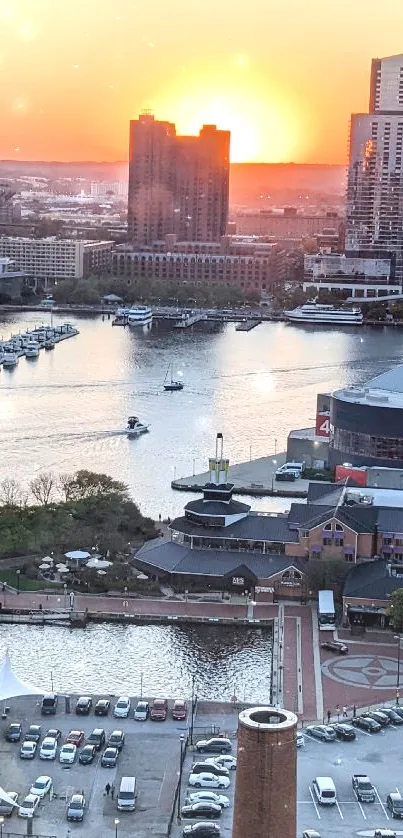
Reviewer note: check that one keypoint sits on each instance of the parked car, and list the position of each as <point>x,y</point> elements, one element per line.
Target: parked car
<point>116,739</point>
<point>367,724</point>
<point>395,718</point>
<point>121,709</point>
<point>109,758</point>
<point>67,753</point>
<point>311,833</point>
<point>202,830</point>
<point>49,704</point>
<point>29,806</point>
<point>33,733</point>
<point>159,710</point>
<point>6,809</point>
<point>97,738</point>
<point>28,750</point>
<point>378,716</point>
<point>142,711</point>
<point>87,754</point>
<point>335,646</point>
<point>211,767</point>
<point>216,745</point>
<point>83,705</point>
<point>207,780</point>
<point>344,732</point>
<point>41,786</point>
<point>14,732</point>
<point>300,740</point>
<point>223,761</point>
<point>325,733</point>
<point>76,807</point>
<point>179,710</point>
<point>202,809</point>
<point>394,802</point>
<point>102,707</point>
<point>53,733</point>
<point>48,749</point>
<point>75,737</point>
<point>398,709</point>
<point>209,796</point>
<point>363,788</point>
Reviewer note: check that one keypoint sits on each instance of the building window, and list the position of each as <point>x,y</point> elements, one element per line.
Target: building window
<point>327,542</point>
<point>304,533</point>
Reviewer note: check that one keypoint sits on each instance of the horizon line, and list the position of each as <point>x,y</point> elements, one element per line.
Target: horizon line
<point>126,163</point>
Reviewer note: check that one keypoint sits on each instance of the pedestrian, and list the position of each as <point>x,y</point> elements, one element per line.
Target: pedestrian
<point>112,791</point>
<point>328,716</point>
<point>354,711</point>
<point>107,789</point>
<point>344,712</point>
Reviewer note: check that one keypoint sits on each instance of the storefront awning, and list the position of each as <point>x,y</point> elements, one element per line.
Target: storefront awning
<point>365,609</point>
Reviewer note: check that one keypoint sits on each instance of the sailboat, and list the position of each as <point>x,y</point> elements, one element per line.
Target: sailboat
<point>170,384</point>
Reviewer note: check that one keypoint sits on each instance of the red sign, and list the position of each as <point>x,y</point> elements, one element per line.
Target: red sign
<point>322,424</point>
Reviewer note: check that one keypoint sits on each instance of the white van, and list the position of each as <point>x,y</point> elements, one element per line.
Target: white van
<point>324,790</point>
<point>126,799</point>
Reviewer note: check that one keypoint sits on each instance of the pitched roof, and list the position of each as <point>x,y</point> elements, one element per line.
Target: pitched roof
<point>217,507</point>
<point>371,580</point>
<point>390,520</point>
<point>254,527</point>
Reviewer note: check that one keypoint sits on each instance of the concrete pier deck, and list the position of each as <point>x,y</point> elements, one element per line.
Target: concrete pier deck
<point>255,477</point>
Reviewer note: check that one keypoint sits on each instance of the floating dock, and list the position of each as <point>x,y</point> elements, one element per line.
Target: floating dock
<point>247,325</point>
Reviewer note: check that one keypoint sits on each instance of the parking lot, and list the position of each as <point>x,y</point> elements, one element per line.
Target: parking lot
<point>151,753</point>
<point>379,755</point>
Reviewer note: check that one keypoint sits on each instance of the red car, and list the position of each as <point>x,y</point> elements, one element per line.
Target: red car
<point>75,737</point>
<point>179,710</point>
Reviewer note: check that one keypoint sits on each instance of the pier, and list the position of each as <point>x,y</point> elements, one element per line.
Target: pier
<point>190,319</point>
<point>247,325</point>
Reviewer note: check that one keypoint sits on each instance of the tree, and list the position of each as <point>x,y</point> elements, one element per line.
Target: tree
<point>395,610</point>
<point>327,574</point>
<point>86,484</point>
<point>42,487</point>
<point>10,492</point>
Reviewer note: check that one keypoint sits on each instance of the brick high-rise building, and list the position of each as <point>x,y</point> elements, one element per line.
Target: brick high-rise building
<point>177,184</point>
<point>266,776</point>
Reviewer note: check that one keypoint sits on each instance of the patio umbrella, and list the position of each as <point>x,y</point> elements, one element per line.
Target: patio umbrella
<point>101,572</point>
<point>142,576</point>
<point>44,566</point>
<point>78,555</point>
<point>48,559</point>
<point>62,568</point>
<point>98,564</point>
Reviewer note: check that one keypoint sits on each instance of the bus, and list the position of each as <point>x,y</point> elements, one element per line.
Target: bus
<point>326,612</point>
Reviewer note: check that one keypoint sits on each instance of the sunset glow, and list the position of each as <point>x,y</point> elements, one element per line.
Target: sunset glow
<point>284,76</point>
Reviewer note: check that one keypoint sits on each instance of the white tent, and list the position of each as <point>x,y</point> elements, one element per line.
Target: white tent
<point>11,686</point>
<point>78,555</point>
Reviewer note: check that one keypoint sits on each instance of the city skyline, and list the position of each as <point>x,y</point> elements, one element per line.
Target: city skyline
<point>73,77</point>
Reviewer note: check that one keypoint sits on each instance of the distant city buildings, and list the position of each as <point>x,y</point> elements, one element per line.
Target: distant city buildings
<point>50,259</point>
<point>177,184</point>
<point>290,226</point>
<point>374,224</point>
<point>360,278</point>
<point>109,189</point>
<point>10,209</point>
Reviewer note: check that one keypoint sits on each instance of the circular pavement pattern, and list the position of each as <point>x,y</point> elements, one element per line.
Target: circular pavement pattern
<point>368,671</point>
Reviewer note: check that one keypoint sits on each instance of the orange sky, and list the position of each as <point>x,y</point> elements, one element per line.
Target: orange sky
<point>282,75</point>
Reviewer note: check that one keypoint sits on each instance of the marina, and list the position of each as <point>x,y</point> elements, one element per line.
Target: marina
<point>30,343</point>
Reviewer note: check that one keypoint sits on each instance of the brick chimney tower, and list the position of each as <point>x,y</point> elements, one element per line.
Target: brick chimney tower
<point>266,776</point>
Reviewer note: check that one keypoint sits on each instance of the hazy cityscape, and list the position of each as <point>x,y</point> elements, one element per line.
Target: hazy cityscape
<point>201,408</point>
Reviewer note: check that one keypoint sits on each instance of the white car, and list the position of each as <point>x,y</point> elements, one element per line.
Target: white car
<point>41,786</point>
<point>223,761</point>
<point>122,707</point>
<point>29,806</point>
<point>68,753</point>
<point>300,740</point>
<point>205,780</point>
<point>48,749</point>
<point>28,750</point>
<point>208,797</point>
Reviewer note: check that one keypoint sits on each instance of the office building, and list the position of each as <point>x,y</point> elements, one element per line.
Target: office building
<point>265,800</point>
<point>10,210</point>
<point>177,184</point>
<point>374,224</point>
<point>360,278</point>
<point>50,259</point>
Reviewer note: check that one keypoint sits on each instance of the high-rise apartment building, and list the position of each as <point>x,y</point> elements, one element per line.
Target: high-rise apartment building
<point>374,224</point>
<point>177,184</point>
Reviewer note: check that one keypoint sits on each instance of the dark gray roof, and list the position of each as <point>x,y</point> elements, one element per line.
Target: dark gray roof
<point>371,580</point>
<point>309,515</point>
<point>359,518</point>
<point>390,520</point>
<point>217,507</point>
<point>176,558</point>
<point>324,493</point>
<point>254,527</point>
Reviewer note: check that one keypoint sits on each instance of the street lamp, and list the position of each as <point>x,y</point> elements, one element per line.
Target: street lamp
<point>141,685</point>
<point>397,637</point>
<point>18,580</point>
<point>117,822</point>
<point>192,709</point>
<point>182,740</point>
<point>65,594</point>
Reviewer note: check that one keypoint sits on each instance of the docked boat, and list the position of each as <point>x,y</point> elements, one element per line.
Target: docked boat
<point>49,343</point>
<point>169,384</point>
<point>10,357</point>
<point>32,349</point>
<point>140,316</point>
<point>135,427</point>
<point>325,315</point>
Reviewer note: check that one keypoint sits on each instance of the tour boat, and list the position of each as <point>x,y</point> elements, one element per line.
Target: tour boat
<point>135,427</point>
<point>325,315</point>
<point>172,385</point>
<point>140,316</point>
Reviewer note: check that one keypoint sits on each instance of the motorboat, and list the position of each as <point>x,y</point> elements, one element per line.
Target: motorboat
<point>170,385</point>
<point>32,349</point>
<point>10,358</point>
<point>135,427</point>
<point>140,315</point>
<point>49,343</point>
<point>325,315</point>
